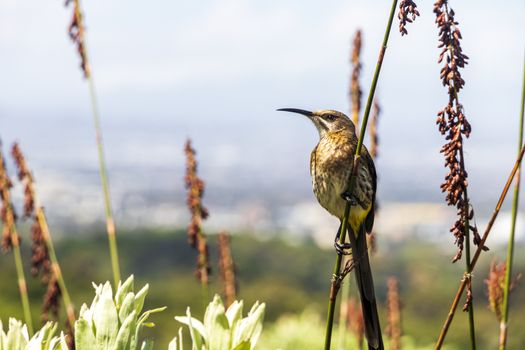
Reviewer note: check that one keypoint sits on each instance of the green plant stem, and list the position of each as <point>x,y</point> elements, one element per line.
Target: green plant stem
<point>110,223</point>
<point>472,329</point>
<point>70,311</point>
<point>22,285</point>
<point>336,281</point>
<point>510,248</point>
<point>343,314</point>
<point>479,249</point>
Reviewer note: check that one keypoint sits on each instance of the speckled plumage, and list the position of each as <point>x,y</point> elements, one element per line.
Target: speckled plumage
<point>330,166</point>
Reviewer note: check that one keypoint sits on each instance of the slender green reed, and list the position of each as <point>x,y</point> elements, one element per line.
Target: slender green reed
<point>77,33</point>
<point>510,248</point>
<point>336,278</point>
<point>343,315</point>
<point>110,222</point>
<point>22,285</point>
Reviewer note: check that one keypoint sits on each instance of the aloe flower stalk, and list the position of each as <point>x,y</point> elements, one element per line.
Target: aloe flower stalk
<point>223,329</point>
<point>113,322</point>
<point>17,337</point>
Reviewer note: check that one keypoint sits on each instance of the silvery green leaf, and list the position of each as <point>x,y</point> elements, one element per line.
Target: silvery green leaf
<point>140,322</point>
<point>173,345</point>
<point>123,290</point>
<point>106,319</point>
<point>3,337</point>
<point>45,339</point>
<point>217,327</point>
<point>147,314</point>
<point>193,323</point>
<point>126,329</point>
<point>98,291</point>
<point>16,339</point>
<point>85,313</point>
<point>250,328</point>
<point>63,342</point>
<point>245,345</point>
<point>181,347</point>
<point>57,343</point>
<point>139,298</point>
<point>147,345</point>
<point>127,306</point>
<point>84,337</point>
<point>197,331</point>
<point>234,313</point>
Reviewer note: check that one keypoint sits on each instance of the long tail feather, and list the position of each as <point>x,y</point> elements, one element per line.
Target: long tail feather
<point>365,283</point>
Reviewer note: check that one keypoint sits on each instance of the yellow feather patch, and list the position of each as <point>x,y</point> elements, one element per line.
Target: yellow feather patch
<point>357,217</point>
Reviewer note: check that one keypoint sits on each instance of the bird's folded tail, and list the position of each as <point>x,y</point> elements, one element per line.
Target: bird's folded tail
<point>365,284</point>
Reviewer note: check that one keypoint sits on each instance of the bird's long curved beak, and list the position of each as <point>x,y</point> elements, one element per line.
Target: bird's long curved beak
<point>296,110</point>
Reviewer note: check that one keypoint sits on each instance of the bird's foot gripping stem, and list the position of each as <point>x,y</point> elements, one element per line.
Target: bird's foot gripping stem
<point>347,196</point>
<point>341,249</point>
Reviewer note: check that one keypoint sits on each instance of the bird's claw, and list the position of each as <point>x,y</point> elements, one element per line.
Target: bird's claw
<point>349,198</point>
<point>342,249</point>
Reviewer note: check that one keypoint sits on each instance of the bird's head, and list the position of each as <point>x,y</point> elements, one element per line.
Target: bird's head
<point>326,120</point>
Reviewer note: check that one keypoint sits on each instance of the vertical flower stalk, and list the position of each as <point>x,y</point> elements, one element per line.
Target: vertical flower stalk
<point>76,32</point>
<point>510,248</point>
<point>394,314</point>
<point>11,239</point>
<point>355,87</point>
<point>453,123</point>
<point>355,95</point>
<point>44,260</point>
<point>227,269</point>
<point>196,236</point>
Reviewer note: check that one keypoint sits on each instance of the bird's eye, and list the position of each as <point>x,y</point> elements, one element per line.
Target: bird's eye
<point>329,117</point>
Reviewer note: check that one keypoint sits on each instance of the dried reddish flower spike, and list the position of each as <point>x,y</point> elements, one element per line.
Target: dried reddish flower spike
<point>76,32</point>
<point>355,321</point>
<point>196,237</point>
<point>374,137</point>
<point>7,213</point>
<point>40,261</point>
<point>495,286</point>
<point>227,268</point>
<point>453,124</point>
<point>394,314</point>
<point>24,175</point>
<point>355,87</point>
<point>51,299</point>
<point>407,14</point>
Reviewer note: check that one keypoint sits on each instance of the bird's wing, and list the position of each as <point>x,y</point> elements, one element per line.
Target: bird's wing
<point>369,162</point>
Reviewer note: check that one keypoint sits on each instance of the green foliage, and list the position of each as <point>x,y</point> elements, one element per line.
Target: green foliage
<point>306,331</point>
<point>288,277</point>
<point>17,337</point>
<point>113,323</point>
<point>223,329</point>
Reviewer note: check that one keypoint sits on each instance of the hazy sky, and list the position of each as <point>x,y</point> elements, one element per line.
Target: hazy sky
<point>217,70</point>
